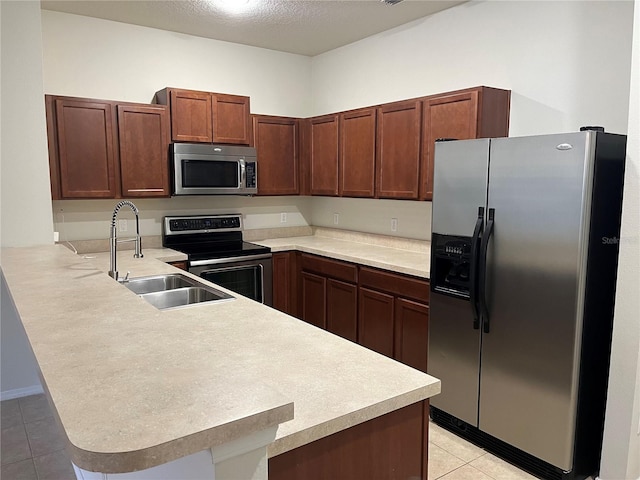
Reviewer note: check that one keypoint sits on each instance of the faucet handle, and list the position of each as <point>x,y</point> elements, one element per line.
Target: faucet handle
<point>126,277</point>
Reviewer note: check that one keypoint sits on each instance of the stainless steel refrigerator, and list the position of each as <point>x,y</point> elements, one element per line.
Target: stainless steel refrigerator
<point>524,256</point>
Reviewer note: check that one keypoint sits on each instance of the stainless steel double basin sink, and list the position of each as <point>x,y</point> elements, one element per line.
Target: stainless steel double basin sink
<point>174,291</point>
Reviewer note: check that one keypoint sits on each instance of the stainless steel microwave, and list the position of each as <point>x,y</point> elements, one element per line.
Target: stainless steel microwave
<point>205,169</point>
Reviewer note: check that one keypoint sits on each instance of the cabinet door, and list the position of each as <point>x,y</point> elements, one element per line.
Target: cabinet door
<point>398,150</point>
<point>191,116</point>
<point>451,116</point>
<point>231,120</point>
<point>412,333</point>
<point>282,281</point>
<point>276,143</point>
<point>342,309</point>
<point>314,295</point>
<point>144,145</point>
<point>358,153</point>
<point>86,150</point>
<point>375,321</point>
<point>323,152</point>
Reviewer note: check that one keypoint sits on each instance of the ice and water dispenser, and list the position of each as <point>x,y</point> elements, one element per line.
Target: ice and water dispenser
<point>451,265</point>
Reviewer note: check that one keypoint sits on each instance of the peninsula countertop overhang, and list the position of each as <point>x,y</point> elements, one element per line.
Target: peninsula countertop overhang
<point>134,387</point>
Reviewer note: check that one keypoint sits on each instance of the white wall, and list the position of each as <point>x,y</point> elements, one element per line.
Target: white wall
<point>567,63</point>
<point>621,451</point>
<point>26,195</point>
<point>89,57</point>
<point>25,199</point>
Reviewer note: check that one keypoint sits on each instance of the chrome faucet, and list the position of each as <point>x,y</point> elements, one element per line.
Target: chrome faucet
<point>113,239</point>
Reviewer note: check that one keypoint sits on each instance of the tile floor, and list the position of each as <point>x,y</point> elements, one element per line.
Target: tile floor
<point>452,458</point>
<point>32,449</point>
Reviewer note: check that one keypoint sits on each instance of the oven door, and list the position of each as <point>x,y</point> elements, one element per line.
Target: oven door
<point>250,276</point>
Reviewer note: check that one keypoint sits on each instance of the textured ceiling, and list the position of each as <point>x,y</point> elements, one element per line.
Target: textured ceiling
<point>306,27</point>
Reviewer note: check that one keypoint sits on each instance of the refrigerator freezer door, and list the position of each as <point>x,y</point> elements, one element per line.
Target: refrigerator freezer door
<point>540,190</point>
<point>460,187</point>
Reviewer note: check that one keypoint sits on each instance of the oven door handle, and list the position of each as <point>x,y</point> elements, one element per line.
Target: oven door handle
<point>221,261</point>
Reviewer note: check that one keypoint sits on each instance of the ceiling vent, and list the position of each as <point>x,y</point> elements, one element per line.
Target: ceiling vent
<point>390,2</point>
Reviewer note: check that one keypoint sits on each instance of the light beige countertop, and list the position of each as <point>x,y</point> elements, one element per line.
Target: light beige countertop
<point>410,257</point>
<point>134,387</point>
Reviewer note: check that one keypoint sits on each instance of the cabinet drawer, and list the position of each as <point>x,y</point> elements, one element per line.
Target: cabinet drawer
<point>330,268</point>
<point>400,285</point>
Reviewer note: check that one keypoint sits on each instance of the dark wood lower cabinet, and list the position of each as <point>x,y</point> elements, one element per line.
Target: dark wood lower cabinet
<point>314,293</point>
<point>389,447</point>
<point>342,309</point>
<point>375,321</point>
<point>412,333</point>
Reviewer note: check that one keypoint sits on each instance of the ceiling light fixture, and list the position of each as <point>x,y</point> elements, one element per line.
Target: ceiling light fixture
<point>234,6</point>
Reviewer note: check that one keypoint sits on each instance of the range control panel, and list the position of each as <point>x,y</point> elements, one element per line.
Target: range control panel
<point>202,224</point>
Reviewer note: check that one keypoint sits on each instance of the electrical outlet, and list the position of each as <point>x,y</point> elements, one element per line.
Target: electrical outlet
<point>283,217</point>
<point>122,225</point>
<point>336,218</point>
<point>394,224</point>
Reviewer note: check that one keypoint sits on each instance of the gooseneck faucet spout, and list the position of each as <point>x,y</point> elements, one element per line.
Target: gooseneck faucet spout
<point>113,238</point>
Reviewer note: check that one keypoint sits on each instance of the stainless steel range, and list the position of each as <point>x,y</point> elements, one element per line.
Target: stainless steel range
<point>217,253</point>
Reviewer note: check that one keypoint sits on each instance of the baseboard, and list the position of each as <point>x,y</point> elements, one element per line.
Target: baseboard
<point>21,392</point>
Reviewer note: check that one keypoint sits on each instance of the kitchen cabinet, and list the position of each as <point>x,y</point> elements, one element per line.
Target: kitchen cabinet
<point>394,315</point>
<point>398,150</point>
<point>480,112</point>
<point>358,153</point>
<point>144,145</point>
<point>81,147</point>
<point>182,265</point>
<point>285,278</point>
<point>329,295</point>
<point>391,446</point>
<point>106,149</point>
<point>276,143</point>
<point>323,155</point>
<point>207,117</point>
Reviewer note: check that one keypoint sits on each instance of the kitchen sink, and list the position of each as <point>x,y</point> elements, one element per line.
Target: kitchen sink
<point>174,291</point>
<point>158,283</point>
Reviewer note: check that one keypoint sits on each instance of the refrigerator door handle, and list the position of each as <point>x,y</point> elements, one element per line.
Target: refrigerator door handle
<point>482,288</point>
<point>473,273</point>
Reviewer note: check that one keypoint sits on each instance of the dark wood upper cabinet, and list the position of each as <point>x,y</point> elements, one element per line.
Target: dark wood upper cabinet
<point>190,116</point>
<point>323,155</point>
<point>231,119</point>
<point>207,117</point>
<point>102,149</point>
<point>85,148</point>
<point>276,143</point>
<point>474,113</point>
<point>358,153</point>
<point>398,150</point>
<point>144,145</point>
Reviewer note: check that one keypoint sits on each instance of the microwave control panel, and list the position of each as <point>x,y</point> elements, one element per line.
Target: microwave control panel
<point>252,179</point>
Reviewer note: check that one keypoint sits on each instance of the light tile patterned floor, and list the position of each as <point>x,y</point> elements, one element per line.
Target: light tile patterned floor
<point>452,458</point>
<point>32,449</point>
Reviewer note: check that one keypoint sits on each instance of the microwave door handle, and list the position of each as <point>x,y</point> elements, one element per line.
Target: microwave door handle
<point>243,173</point>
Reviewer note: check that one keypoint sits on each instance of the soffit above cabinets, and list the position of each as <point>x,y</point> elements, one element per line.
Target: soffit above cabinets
<point>305,27</point>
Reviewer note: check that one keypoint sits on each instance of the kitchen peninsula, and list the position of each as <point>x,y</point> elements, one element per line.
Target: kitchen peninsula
<point>135,388</point>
